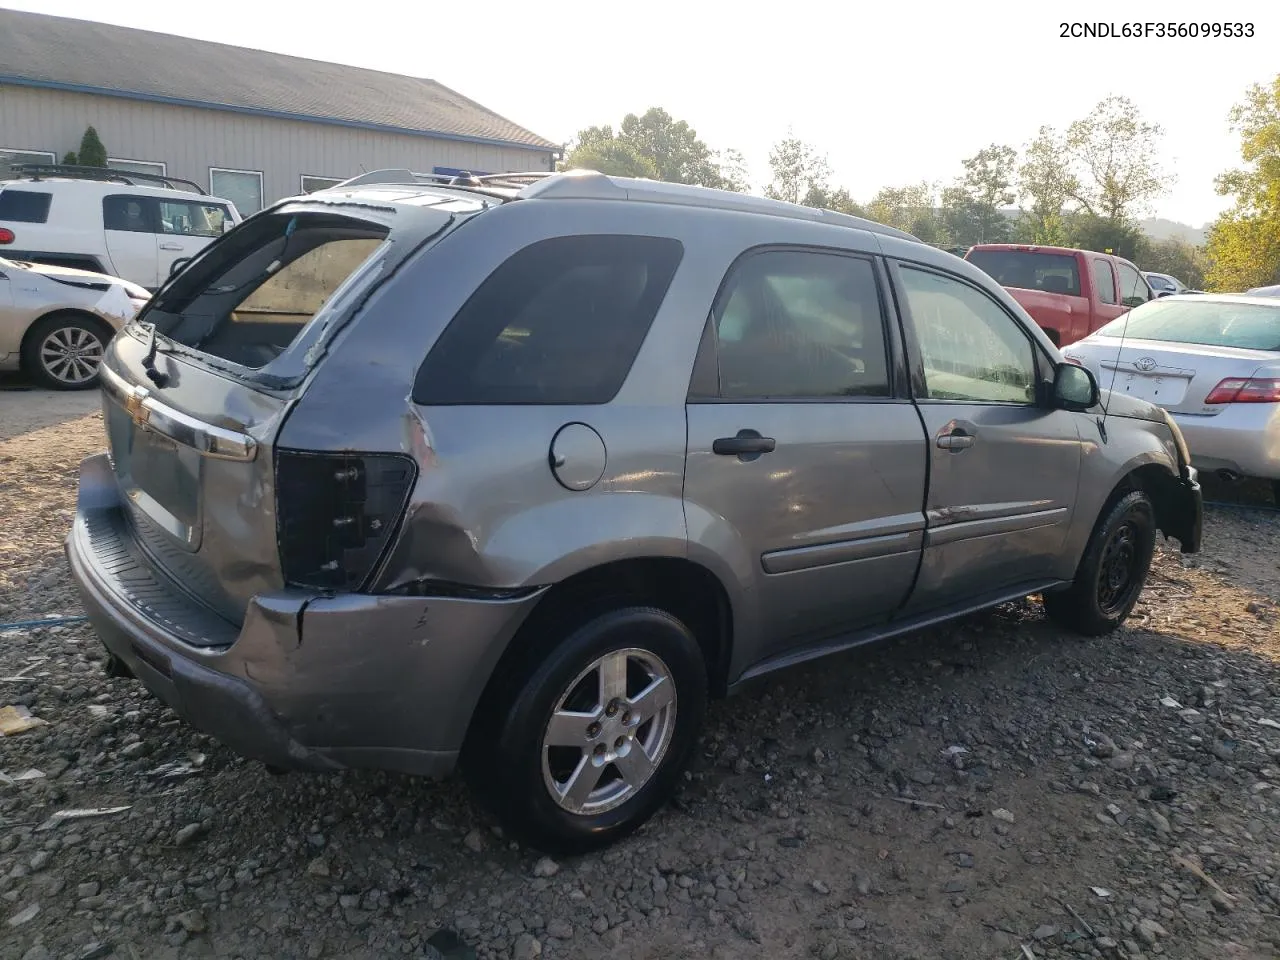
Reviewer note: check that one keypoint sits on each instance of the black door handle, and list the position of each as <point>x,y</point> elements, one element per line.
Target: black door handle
<point>747,445</point>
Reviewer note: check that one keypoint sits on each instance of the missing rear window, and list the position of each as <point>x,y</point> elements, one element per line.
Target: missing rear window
<point>248,300</point>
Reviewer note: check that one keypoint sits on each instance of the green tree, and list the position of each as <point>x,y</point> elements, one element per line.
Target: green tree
<point>69,158</point>
<point>838,200</point>
<point>1045,180</point>
<point>597,149</point>
<point>673,146</point>
<point>1112,156</point>
<point>655,145</point>
<point>92,152</point>
<point>910,208</point>
<point>1243,247</point>
<point>1088,231</point>
<point>971,209</point>
<point>799,172</point>
<point>963,220</point>
<point>733,171</point>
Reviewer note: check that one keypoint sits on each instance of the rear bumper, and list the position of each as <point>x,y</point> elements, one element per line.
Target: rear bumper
<point>307,681</point>
<point>1244,438</point>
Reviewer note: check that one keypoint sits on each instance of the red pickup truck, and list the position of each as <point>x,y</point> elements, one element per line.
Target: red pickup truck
<point>1070,293</point>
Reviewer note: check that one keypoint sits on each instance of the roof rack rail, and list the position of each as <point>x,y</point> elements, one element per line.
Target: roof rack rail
<point>592,185</point>
<point>109,174</point>
<point>464,179</point>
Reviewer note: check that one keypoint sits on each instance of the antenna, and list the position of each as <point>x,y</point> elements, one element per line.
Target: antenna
<point>1115,366</point>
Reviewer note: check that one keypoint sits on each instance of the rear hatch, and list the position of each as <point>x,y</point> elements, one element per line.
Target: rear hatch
<point>1175,352</point>
<point>197,387</point>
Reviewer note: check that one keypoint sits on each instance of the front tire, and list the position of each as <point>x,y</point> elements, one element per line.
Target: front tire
<point>64,351</point>
<point>593,740</point>
<point>1112,571</point>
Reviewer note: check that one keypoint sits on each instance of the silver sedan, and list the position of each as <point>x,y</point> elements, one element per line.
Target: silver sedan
<point>55,322</point>
<point>1213,361</point>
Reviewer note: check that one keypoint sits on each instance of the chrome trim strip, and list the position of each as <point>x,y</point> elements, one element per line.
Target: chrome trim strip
<point>150,413</point>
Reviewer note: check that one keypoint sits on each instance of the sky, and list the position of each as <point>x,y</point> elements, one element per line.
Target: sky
<point>892,93</point>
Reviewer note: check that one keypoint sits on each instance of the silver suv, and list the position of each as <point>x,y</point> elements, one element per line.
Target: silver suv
<point>519,472</point>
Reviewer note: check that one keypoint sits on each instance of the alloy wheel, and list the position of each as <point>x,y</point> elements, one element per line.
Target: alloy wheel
<point>71,355</point>
<point>609,732</point>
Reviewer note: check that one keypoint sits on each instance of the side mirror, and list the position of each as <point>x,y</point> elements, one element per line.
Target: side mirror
<point>1074,388</point>
<point>227,224</point>
<point>178,265</point>
<point>1164,293</point>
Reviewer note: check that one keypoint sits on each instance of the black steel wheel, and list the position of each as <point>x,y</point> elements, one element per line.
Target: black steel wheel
<point>1112,571</point>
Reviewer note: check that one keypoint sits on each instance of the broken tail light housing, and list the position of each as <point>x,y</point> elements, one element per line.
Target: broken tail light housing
<point>1245,390</point>
<point>336,513</point>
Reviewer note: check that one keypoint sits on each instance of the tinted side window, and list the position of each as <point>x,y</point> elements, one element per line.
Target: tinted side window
<point>561,321</point>
<point>130,214</point>
<point>1133,289</point>
<point>972,350</point>
<point>192,219</point>
<point>1104,281</point>
<point>795,325</point>
<point>24,206</point>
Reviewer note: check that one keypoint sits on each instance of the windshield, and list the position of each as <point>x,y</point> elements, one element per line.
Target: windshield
<point>1050,272</point>
<point>1213,323</point>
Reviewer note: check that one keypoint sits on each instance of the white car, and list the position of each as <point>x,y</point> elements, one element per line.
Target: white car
<point>56,322</point>
<point>1164,284</point>
<point>108,221</point>
<point>1211,360</point>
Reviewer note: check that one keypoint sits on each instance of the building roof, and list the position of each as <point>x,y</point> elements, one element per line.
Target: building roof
<point>78,55</point>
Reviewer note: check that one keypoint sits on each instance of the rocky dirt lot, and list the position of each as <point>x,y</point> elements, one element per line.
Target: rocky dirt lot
<point>1108,798</point>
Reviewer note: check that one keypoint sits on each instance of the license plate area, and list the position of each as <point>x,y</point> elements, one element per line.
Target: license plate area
<point>1161,389</point>
<point>159,478</point>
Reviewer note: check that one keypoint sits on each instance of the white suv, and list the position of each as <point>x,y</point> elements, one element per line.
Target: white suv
<point>107,222</point>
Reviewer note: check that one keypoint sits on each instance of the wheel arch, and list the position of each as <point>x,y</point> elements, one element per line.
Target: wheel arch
<point>28,335</point>
<point>678,585</point>
<point>1166,492</point>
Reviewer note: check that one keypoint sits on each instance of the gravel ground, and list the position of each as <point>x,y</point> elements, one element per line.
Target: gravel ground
<point>1065,810</point>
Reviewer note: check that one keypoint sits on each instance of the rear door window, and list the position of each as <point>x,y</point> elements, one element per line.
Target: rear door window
<point>129,214</point>
<point>24,206</point>
<point>801,325</point>
<point>190,219</point>
<point>561,321</point>
<point>1104,281</point>
<point>1133,289</point>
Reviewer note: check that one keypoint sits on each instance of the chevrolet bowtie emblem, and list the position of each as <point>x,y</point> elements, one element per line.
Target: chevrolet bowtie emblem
<point>133,406</point>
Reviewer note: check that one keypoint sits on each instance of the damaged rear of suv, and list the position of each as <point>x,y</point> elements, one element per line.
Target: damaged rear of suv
<point>506,472</point>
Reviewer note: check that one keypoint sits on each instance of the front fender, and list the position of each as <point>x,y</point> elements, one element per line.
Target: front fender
<point>1120,451</point>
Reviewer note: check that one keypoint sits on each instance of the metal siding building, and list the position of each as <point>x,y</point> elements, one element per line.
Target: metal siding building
<point>231,119</point>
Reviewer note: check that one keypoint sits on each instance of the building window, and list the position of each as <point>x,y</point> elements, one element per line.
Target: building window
<point>152,167</point>
<point>10,158</point>
<point>312,184</point>
<point>241,187</point>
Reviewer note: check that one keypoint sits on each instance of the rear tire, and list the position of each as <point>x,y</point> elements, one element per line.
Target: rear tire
<point>586,738</point>
<point>1112,571</point>
<point>63,351</point>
